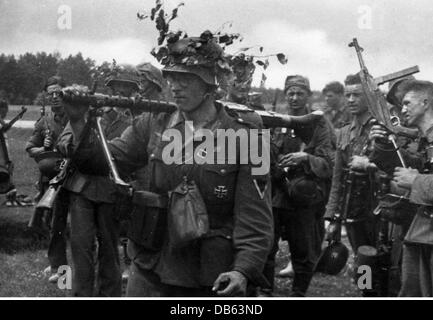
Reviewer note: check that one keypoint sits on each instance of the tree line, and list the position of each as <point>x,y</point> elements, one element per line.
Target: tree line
<point>22,77</point>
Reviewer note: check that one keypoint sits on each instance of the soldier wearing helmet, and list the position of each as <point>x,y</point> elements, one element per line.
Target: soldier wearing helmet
<point>237,203</point>
<point>152,83</point>
<point>240,86</point>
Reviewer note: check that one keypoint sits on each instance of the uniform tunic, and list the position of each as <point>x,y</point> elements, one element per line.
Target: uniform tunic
<point>238,204</point>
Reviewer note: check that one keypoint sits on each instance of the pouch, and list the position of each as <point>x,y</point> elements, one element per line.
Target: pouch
<point>148,223</point>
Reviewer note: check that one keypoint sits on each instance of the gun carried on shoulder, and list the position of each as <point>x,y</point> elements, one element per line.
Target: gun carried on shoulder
<point>270,119</point>
<point>10,124</point>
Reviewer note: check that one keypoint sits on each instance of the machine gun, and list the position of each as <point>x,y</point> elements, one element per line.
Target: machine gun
<point>5,162</point>
<point>270,119</point>
<point>376,101</point>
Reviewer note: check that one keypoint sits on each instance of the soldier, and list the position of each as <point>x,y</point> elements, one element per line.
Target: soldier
<point>41,147</point>
<point>237,203</point>
<point>255,101</point>
<point>395,214</point>
<point>416,181</point>
<point>353,168</point>
<point>94,214</point>
<point>6,184</point>
<point>124,81</point>
<point>152,83</point>
<point>127,81</point>
<point>301,178</point>
<point>239,87</point>
<point>336,111</point>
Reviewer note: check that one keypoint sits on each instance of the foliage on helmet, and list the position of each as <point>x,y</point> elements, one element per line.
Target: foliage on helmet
<point>244,65</point>
<point>176,48</point>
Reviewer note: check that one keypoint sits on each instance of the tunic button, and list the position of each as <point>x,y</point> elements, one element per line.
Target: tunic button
<point>223,171</point>
<point>152,155</point>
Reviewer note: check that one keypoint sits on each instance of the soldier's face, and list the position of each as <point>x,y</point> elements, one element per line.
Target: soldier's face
<point>53,93</point>
<point>356,100</point>
<point>122,88</point>
<point>297,97</point>
<point>188,90</point>
<point>332,99</point>
<point>415,106</point>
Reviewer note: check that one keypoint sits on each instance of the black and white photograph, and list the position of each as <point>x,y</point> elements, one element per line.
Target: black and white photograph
<point>263,150</point>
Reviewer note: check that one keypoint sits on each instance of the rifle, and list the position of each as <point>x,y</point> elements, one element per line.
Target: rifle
<point>9,125</point>
<point>377,103</point>
<point>270,119</point>
<point>46,124</point>
<point>5,162</point>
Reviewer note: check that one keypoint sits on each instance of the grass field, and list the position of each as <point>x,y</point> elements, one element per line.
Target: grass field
<point>23,252</point>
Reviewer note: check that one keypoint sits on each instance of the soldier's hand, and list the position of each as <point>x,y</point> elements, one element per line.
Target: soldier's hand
<point>48,142</point>
<point>378,132</point>
<point>332,230</point>
<point>75,112</point>
<point>361,163</point>
<point>404,177</point>
<point>293,159</point>
<point>230,284</point>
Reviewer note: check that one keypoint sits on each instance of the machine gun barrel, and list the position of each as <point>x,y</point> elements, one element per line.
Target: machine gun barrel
<point>270,119</point>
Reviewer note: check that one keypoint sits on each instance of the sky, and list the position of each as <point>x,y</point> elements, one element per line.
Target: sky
<point>314,35</point>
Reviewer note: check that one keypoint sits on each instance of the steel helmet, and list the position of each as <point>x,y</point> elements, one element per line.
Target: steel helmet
<point>333,258</point>
<point>49,163</point>
<point>124,73</point>
<point>201,56</point>
<point>151,73</point>
<point>393,87</point>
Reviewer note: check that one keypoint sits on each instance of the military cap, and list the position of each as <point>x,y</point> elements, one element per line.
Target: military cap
<point>54,80</point>
<point>298,81</point>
